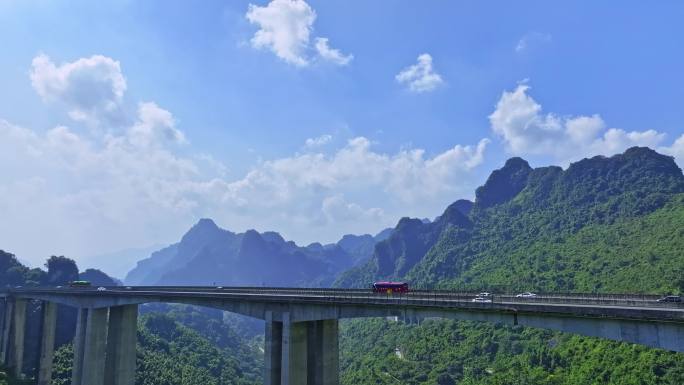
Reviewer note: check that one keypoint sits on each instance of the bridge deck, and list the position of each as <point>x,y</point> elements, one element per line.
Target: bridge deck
<point>632,307</point>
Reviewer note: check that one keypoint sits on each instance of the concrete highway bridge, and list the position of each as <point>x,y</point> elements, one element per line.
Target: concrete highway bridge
<point>301,344</point>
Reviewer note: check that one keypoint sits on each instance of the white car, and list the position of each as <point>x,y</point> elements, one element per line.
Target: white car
<point>101,288</point>
<point>526,294</point>
<point>484,294</point>
<point>481,300</point>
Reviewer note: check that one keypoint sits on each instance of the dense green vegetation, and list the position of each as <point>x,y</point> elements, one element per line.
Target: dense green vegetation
<point>631,255</point>
<point>447,353</point>
<point>170,353</point>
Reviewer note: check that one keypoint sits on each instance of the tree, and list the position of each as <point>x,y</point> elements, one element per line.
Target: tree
<point>61,270</point>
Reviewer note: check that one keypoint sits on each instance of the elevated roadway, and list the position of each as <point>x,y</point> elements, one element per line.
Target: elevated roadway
<point>301,345</point>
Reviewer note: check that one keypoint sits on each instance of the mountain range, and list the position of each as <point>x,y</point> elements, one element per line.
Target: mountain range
<point>209,255</point>
<point>527,229</point>
<point>603,224</point>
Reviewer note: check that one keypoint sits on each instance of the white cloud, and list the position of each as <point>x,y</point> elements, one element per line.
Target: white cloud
<point>420,77</point>
<point>407,177</point>
<point>86,196</point>
<point>319,141</point>
<point>89,193</point>
<point>90,88</point>
<point>155,125</point>
<point>676,150</point>
<point>285,27</point>
<point>532,39</point>
<point>331,54</point>
<point>525,130</point>
<point>336,209</point>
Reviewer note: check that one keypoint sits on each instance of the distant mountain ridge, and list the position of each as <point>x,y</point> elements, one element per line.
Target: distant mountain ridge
<point>528,229</point>
<point>208,255</point>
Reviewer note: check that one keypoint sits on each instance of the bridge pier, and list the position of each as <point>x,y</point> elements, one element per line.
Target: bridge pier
<point>47,343</point>
<point>273,350</point>
<point>94,347</point>
<point>323,352</point>
<point>121,341</point>
<point>16,353</point>
<point>301,353</point>
<point>6,328</point>
<point>104,346</point>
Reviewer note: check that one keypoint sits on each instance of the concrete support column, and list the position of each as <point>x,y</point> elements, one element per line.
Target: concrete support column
<point>309,352</point>
<point>323,352</point>
<point>16,359</point>
<point>273,350</point>
<point>79,344</point>
<point>3,305</point>
<point>47,343</point>
<point>94,347</point>
<point>121,341</point>
<point>294,354</point>
<point>6,328</point>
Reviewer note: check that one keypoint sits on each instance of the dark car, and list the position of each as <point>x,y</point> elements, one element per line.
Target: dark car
<point>670,298</point>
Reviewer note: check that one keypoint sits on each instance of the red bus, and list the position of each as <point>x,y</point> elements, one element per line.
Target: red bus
<point>390,287</point>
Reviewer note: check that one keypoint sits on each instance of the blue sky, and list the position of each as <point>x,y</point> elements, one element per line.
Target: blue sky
<point>122,123</point>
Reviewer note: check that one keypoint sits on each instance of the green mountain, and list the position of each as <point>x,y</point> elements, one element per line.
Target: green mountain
<point>441,352</point>
<point>603,224</point>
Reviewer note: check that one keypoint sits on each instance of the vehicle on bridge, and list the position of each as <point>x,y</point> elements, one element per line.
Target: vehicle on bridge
<point>670,298</point>
<point>479,299</point>
<point>79,284</point>
<point>526,294</point>
<point>390,287</point>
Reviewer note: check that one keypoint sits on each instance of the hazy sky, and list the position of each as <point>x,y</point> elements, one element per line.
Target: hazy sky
<point>123,123</point>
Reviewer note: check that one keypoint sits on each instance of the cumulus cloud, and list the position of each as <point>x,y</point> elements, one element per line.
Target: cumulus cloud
<point>331,54</point>
<point>285,27</point>
<point>408,176</point>
<point>420,77</point>
<point>93,192</point>
<point>90,88</point>
<point>530,40</point>
<point>676,150</point>
<point>519,121</point>
<point>319,141</point>
<point>336,209</point>
<point>155,125</point>
<point>142,183</point>
<point>88,195</point>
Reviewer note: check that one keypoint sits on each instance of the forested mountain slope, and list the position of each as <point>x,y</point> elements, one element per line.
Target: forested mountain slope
<point>603,224</point>
<point>445,352</point>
